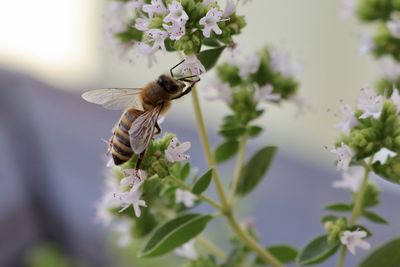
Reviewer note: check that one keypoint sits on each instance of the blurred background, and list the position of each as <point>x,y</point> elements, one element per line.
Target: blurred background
<point>51,168</point>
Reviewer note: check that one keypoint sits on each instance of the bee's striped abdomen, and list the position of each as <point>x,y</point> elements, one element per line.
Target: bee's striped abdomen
<point>120,145</point>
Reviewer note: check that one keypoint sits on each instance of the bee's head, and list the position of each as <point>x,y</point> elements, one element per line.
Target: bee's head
<point>169,84</point>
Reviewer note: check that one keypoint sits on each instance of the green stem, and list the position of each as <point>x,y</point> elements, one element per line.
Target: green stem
<point>342,255</point>
<point>202,197</point>
<point>207,148</point>
<point>238,170</point>
<point>208,244</point>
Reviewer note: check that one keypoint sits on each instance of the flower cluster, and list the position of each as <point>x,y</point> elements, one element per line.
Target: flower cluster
<point>147,27</point>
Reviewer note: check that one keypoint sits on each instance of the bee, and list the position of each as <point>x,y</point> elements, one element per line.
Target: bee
<point>142,108</point>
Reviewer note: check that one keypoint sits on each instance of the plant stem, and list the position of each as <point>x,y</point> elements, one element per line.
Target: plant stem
<point>358,206</point>
<point>202,197</point>
<point>207,243</point>
<point>238,170</point>
<point>251,243</point>
<point>207,148</point>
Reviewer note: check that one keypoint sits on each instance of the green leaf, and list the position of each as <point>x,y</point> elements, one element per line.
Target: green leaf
<point>232,132</point>
<point>283,253</point>
<point>210,57</point>
<point>255,169</point>
<point>202,183</point>
<point>339,207</point>
<point>318,250</point>
<point>385,256</point>
<point>211,42</point>
<point>329,218</point>
<point>254,130</point>
<point>226,150</point>
<point>174,233</point>
<point>185,170</point>
<point>373,217</point>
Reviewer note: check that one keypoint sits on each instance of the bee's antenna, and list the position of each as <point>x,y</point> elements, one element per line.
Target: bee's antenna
<point>171,69</point>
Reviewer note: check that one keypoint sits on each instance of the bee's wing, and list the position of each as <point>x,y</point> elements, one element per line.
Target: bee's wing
<point>115,99</point>
<point>142,129</point>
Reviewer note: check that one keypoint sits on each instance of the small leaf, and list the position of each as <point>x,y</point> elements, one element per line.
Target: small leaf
<point>255,169</point>
<point>174,233</point>
<point>210,57</point>
<point>211,42</point>
<point>202,183</point>
<point>185,170</point>
<point>254,130</point>
<point>226,150</point>
<point>339,207</point>
<point>233,132</point>
<point>318,250</point>
<point>329,218</point>
<point>373,217</point>
<point>385,256</point>
<point>283,253</point>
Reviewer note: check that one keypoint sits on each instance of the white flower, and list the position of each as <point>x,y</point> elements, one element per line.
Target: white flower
<point>351,179</point>
<point>134,5</point>
<point>209,2</point>
<point>352,239</point>
<point>230,8</point>
<point>389,68</point>
<point>187,250</point>
<point>383,155</point>
<point>132,177</point>
<point>344,155</point>
<point>142,24</point>
<point>280,62</point>
<point>117,17</point>
<point>185,197</point>
<point>348,8</point>
<point>176,13</point>
<point>370,103</point>
<point>146,50</point>
<point>300,102</point>
<point>347,119</point>
<point>158,37</point>
<point>175,30</point>
<point>209,21</point>
<point>155,7</point>
<point>192,66</point>
<point>222,90</point>
<point>395,97</point>
<point>366,43</point>
<point>175,152</point>
<point>132,197</point>
<point>249,66</point>
<point>123,230</point>
<point>265,94</point>
<point>394,24</point>
<point>107,202</point>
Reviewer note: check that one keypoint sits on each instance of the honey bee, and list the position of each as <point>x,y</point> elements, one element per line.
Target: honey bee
<point>143,106</point>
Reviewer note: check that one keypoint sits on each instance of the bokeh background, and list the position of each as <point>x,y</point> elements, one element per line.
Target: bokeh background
<point>52,156</point>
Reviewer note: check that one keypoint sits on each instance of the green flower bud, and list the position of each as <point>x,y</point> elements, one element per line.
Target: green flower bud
<point>390,170</point>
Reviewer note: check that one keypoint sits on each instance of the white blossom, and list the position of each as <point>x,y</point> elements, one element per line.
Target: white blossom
<point>344,155</point>
<point>117,17</point>
<point>148,51</point>
<point>155,7</point>
<point>249,66</point>
<point>222,90</point>
<point>187,250</point>
<point>265,94</point>
<point>158,37</point>
<point>280,62</point>
<point>347,119</point>
<point>175,30</point>
<point>134,5</point>
<point>132,177</point>
<point>300,102</point>
<point>123,229</point>
<point>132,197</point>
<point>395,97</point>
<point>351,180</point>
<point>210,20</point>
<point>175,152</point>
<point>192,66</point>
<point>176,13</point>
<point>209,2</point>
<point>142,24</point>
<point>348,8</point>
<point>107,202</point>
<point>185,197</point>
<point>230,8</point>
<point>353,239</point>
<point>394,24</point>
<point>366,43</point>
<point>370,103</point>
<point>389,68</point>
<point>383,155</point>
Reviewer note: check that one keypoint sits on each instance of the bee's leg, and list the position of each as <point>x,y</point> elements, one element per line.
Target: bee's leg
<point>171,69</point>
<point>189,89</point>
<point>158,129</point>
<point>139,161</point>
<point>186,79</point>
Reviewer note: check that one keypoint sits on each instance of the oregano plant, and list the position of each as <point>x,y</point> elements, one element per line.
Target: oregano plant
<point>154,205</point>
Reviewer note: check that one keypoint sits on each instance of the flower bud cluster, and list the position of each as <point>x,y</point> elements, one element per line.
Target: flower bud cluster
<point>335,228</point>
<point>147,26</point>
